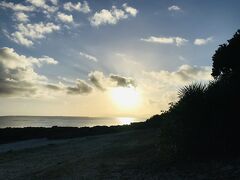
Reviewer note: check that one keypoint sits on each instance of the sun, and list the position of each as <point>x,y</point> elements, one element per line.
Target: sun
<point>125,97</point>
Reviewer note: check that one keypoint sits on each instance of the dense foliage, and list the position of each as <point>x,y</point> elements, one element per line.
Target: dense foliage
<point>226,59</point>
<point>205,122</point>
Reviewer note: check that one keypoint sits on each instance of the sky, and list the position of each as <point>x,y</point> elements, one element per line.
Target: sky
<point>107,58</point>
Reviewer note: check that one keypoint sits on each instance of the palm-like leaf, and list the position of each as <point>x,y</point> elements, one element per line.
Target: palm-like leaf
<point>195,89</point>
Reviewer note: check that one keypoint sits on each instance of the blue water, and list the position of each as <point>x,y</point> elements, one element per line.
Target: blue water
<point>49,121</point>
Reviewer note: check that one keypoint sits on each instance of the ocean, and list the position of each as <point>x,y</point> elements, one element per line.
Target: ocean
<point>62,121</point>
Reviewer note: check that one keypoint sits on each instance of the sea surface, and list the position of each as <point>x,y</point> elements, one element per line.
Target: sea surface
<point>49,121</point>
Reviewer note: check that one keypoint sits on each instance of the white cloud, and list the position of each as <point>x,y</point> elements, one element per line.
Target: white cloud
<point>201,41</point>
<point>13,60</point>
<point>160,40</point>
<point>21,16</point>
<point>132,11</point>
<point>54,2</point>
<point>81,7</point>
<point>42,4</point>
<point>37,30</point>
<point>50,9</point>
<point>65,18</point>
<point>174,8</point>
<point>178,41</point>
<point>107,17</point>
<point>112,16</point>
<point>26,33</point>
<point>16,7</point>
<point>19,38</point>
<point>89,57</point>
<point>47,60</point>
<point>37,3</point>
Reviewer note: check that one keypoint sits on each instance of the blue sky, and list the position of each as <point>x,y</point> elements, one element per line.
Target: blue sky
<point>142,41</point>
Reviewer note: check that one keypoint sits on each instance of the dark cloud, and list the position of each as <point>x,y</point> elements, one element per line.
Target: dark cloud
<point>10,88</point>
<point>95,78</point>
<point>53,87</point>
<point>81,88</point>
<point>17,76</point>
<point>122,81</point>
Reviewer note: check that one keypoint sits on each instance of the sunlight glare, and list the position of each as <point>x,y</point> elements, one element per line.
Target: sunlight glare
<point>125,120</point>
<point>125,97</point>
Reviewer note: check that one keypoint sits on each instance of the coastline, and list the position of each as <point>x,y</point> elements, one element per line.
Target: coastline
<point>8,135</point>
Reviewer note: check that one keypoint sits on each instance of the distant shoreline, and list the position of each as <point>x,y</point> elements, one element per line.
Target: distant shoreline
<point>64,116</point>
<point>64,121</point>
<point>8,135</point>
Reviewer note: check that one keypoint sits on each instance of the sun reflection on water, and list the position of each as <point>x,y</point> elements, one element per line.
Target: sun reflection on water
<point>125,120</point>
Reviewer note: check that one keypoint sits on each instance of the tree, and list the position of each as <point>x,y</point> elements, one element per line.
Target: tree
<point>226,60</point>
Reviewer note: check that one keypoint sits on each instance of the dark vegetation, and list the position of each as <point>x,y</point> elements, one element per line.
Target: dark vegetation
<point>18,134</point>
<point>204,123</point>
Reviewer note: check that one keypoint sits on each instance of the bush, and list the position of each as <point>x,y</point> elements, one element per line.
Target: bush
<point>205,122</point>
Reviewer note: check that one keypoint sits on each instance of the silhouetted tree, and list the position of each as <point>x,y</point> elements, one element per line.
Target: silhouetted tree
<point>226,60</point>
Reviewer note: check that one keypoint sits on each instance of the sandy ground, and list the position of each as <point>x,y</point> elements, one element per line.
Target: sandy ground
<point>28,144</point>
<point>99,157</point>
<point>129,155</point>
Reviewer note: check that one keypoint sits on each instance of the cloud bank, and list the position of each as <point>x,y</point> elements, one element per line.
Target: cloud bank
<point>18,77</point>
